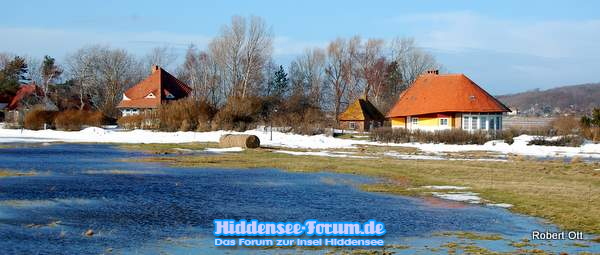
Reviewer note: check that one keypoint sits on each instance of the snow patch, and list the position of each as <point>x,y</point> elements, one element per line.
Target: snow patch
<point>338,154</point>
<point>222,150</point>
<point>502,205</point>
<point>467,197</point>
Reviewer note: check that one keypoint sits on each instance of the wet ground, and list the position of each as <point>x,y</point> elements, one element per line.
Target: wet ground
<point>153,208</point>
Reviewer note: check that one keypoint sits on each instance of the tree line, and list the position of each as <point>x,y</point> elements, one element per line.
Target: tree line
<point>236,66</point>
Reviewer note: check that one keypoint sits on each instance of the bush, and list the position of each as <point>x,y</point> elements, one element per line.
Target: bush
<point>73,120</point>
<point>450,136</point>
<point>184,115</point>
<point>240,113</point>
<point>567,140</point>
<point>180,115</point>
<point>38,118</point>
<point>131,122</point>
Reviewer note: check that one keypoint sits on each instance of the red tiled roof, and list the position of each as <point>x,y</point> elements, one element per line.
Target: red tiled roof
<point>433,93</point>
<point>23,92</point>
<point>160,83</point>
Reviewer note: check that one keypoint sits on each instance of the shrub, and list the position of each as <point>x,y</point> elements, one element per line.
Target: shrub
<point>567,140</point>
<point>240,113</point>
<point>38,118</point>
<point>450,136</point>
<point>565,125</point>
<point>180,115</point>
<point>73,120</point>
<point>131,121</point>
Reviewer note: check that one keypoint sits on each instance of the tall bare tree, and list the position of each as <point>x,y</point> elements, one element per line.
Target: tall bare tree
<point>163,56</point>
<point>242,52</point>
<point>412,60</point>
<point>103,74</point>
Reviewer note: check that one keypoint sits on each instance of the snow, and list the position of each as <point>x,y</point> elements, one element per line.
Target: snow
<point>289,140</point>
<point>100,135</point>
<point>221,150</point>
<point>502,205</point>
<point>519,147</point>
<point>467,197</point>
<point>321,154</point>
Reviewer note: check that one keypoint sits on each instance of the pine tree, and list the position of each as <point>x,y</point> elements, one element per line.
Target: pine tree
<point>279,83</point>
<point>13,74</point>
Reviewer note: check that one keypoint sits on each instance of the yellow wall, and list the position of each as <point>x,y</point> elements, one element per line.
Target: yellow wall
<point>428,121</point>
<point>399,122</point>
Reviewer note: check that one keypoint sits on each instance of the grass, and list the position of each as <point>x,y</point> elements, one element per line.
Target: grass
<point>6,173</point>
<point>566,194</point>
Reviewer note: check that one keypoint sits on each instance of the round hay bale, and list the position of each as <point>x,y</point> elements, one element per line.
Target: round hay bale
<point>244,141</point>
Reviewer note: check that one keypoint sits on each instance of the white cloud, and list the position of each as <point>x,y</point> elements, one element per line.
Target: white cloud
<point>455,31</point>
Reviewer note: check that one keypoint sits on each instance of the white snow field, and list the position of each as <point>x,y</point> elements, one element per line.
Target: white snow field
<point>289,140</point>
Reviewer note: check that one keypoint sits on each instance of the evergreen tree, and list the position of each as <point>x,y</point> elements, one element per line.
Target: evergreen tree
<point>279,83</point>
<point>13,74</point>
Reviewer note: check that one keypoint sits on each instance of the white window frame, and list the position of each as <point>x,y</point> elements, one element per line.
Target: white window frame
<point>151,95</point>
<point>352,125</point>
<point>442,120</point>
<point>474,122</point>
<point>414,121</point>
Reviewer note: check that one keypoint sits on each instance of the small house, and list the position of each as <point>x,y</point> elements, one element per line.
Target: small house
<point>158,88</point>
<point>361,116</point>
<point>445,101</point>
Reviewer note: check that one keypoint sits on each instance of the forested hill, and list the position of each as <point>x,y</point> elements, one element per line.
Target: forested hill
<point>568,99</point>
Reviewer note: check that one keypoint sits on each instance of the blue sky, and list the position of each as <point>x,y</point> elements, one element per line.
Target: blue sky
<point>505,46</point>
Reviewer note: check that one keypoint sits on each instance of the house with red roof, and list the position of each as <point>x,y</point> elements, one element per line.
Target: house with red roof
<point>158,88</point>
<point>445,101</point>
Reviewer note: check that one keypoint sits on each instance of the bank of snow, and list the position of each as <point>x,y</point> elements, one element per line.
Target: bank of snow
<point>288,140</point>
<point>519,147</point>
<point>99,135</point>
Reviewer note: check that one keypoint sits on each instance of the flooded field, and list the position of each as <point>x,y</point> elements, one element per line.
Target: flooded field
<point>152,208</point>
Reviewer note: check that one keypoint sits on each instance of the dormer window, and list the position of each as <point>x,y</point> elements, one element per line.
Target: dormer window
<point>151,95</point>
<point>170,96</point>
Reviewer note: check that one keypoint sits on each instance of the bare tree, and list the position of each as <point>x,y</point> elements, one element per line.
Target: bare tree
<point>338,72</point>
<point>242,52</point>
<point>307,76</point>
<point>162,56</point>
<point>103,74</point>
<point>412,61</point>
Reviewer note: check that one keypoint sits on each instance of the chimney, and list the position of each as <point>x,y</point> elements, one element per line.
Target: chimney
<point>433,71</point>
<point>155,68</point>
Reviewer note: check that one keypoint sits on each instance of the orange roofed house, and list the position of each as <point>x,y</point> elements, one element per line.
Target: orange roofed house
<point>445,101</point>
<point>361,116</point>
<point>158,88</point>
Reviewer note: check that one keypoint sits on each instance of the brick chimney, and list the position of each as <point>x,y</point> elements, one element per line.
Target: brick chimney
<point>155,68</point>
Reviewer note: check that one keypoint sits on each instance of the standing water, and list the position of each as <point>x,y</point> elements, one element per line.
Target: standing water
<point>152,208</point>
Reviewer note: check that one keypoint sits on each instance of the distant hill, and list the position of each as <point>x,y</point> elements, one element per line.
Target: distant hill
<point>575,99</point>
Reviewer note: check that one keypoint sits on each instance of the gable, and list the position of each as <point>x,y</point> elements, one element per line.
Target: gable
<point>361,109</point>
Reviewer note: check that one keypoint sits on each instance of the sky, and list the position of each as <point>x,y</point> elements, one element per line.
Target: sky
<point>504,46</point>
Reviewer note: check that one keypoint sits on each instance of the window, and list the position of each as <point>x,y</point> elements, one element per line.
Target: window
<point>492,126</point>
<point>483,123</point>
<point>352,125</point>
<point>473,122</point>
<point>444,122</point>
<point>151,95</point>
<point>414,121</point>
<point>465,122</point>
<point>498,121</point>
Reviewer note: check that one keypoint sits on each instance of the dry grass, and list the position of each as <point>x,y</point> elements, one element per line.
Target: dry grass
<point>567,194</point>
<point>6,173</point>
